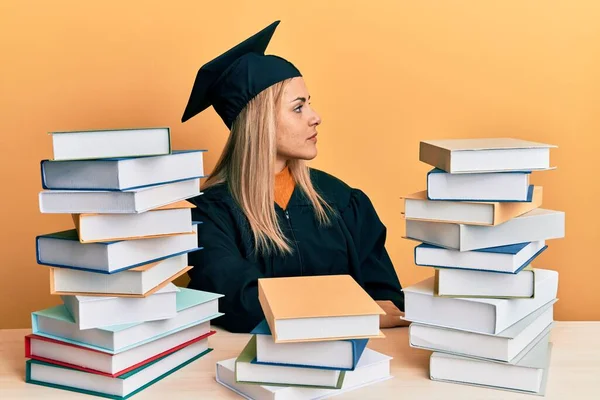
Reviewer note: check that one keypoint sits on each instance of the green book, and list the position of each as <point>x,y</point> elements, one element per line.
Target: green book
<point>247,370</point>
<point>121,387</point>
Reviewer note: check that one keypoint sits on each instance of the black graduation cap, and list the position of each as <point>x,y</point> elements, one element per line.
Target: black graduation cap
<point>232,79</point>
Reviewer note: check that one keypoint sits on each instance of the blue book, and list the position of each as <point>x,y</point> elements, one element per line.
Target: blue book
<point>509,259</point>
<point>194,307</point>
<point>337,354</point>
<point>122,173</point>
<point>63,249</point>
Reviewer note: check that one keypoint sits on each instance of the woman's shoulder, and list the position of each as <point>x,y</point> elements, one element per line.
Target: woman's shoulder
<point>216,203</point>
<point>216,195</point>
<point>216,192</point>
<point>332,188</point>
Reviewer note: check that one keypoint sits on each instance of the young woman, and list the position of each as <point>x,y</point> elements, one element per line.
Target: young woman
<point>264,212</point>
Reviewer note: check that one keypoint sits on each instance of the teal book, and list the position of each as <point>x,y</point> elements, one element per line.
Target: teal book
<point>121,387</point>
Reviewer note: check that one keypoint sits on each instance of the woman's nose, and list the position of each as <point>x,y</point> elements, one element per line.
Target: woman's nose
<point>316,119</point>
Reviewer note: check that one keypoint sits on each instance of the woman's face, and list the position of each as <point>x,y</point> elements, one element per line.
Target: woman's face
<point>297,123</point>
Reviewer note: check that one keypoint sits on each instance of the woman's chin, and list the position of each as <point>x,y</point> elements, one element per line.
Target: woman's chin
<point>309,155</point>
<point>306,153</point>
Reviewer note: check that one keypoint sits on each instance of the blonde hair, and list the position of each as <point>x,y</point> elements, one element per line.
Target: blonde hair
<point>247,166</point>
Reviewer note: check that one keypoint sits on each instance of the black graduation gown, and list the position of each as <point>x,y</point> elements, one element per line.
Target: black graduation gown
<point>227,264</point>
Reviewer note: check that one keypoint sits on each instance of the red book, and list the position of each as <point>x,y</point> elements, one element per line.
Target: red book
<point>112,365</point>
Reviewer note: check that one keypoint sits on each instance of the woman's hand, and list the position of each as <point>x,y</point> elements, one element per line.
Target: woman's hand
<point>392,317</point>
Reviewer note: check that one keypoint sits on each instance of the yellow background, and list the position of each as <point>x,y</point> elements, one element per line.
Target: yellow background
<point>383,75</point>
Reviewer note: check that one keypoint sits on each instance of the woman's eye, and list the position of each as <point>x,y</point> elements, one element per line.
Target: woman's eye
<point>298,109</point>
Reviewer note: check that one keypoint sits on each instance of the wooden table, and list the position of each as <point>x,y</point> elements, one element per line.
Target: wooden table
<point>574,371</point>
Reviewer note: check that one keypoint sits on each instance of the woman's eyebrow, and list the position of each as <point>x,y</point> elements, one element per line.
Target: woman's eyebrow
<point>302,99</point>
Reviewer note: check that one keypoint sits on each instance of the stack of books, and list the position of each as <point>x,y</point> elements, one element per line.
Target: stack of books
<point>487,313</point>
<point>122,325</point>
<point>312,344</point>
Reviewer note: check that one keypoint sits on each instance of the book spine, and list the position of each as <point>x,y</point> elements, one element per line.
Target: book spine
<point>43,173</point>
<point>77,222</point>
<point>169,139</point>
<point>28,371</point>
<point>52,281</point>
<point>28,346</point>
<point>435,156</point>
<point>499,216</point>
<point>267,311</point>
<point>509,210</point>
<point>37,250</point>
<point>461,238</point>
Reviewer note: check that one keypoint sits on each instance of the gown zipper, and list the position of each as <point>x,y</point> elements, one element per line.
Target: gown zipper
<point>287,216</point>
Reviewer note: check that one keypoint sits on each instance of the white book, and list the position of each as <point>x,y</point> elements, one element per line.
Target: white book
<point>373,367</point>
<point>116,202</point>
<point>527,375</point>
<point>114,364</point>
<point>465,283</point>
<point>122,173</point>
<point>494,186</point>
<point>139,282</point>
<point>194,307</point>
<point>485,155</point>
<point>504,346</point>
<point>94,144</point>
<point>96,311</point>
<point>480,315</point>
<point>538,224</point>
<point>63,249</point>
<point>120,387</point>
<point>172,219</point>
<point>506,259</point>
